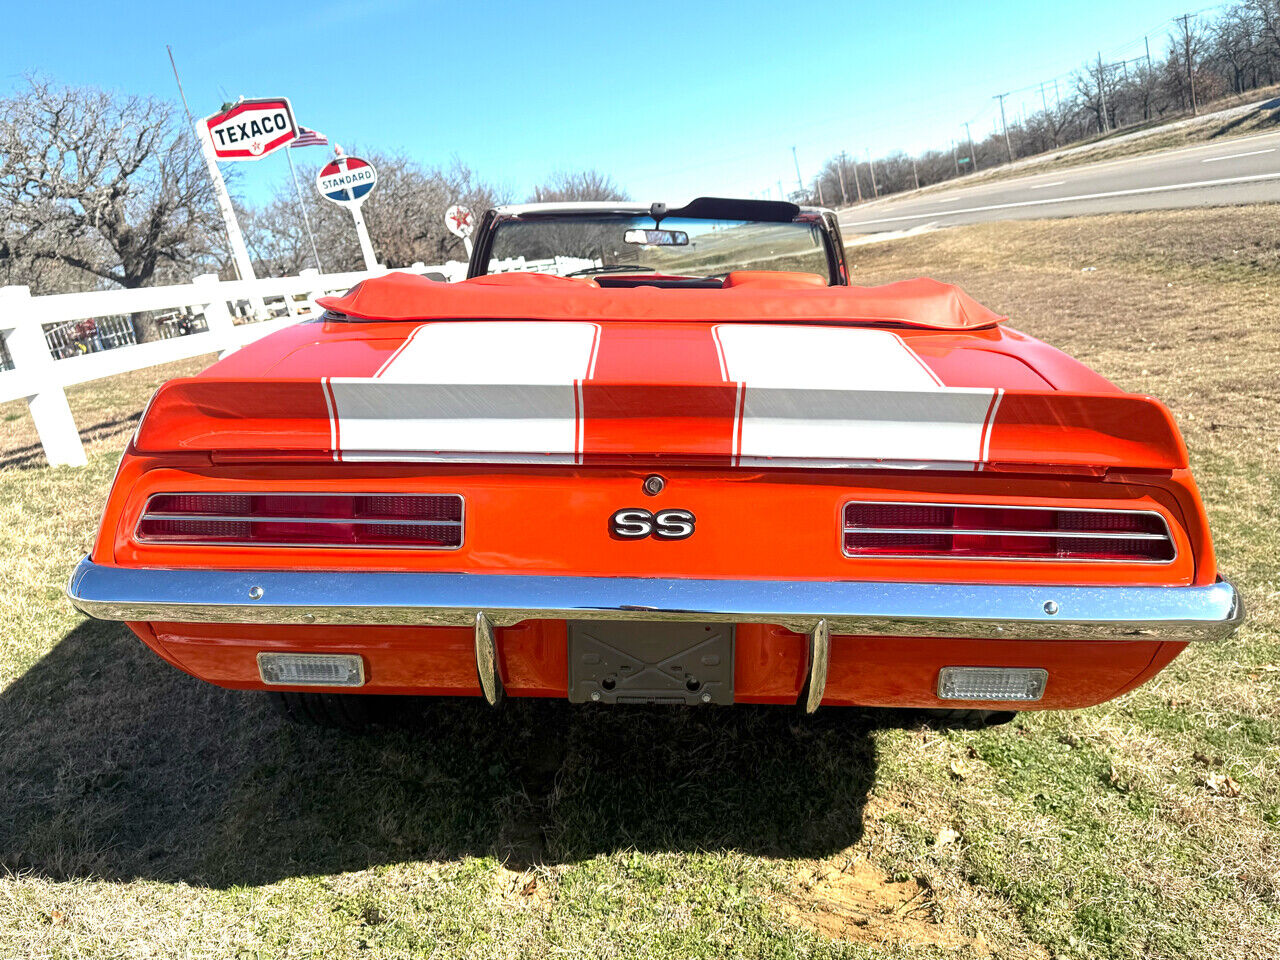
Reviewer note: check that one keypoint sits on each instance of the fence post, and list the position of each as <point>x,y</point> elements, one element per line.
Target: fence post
<point>31,358</point>
<point>314,289</point>
<point>217,318</point>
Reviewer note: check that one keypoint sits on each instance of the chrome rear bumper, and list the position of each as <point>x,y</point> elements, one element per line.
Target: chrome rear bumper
<point>990,611</point>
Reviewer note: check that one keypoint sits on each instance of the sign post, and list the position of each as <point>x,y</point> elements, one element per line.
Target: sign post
<point>348,181</point>
<point>246,130</point>
<point>458,219</point>
<point>239,252</point>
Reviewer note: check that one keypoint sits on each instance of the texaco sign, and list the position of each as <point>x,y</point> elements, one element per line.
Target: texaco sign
<point>251,129</point>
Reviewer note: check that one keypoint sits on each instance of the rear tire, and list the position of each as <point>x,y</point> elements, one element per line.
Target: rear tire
<point>336,711</point>
<point>973,719</point>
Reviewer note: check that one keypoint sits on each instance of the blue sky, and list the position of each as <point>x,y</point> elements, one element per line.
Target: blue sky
<point>673,99</point>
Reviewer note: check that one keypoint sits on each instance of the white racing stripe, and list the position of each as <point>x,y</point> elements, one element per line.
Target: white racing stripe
<point>820,358</point>
<point>494,351</point>
<point>456,386</point>
<point>934,424</point>
<point>510,392</point>
<point>847,393</point>
<point>381,415</point>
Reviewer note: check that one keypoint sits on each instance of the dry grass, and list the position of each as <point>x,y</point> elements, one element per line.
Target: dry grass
<point>145,814</point>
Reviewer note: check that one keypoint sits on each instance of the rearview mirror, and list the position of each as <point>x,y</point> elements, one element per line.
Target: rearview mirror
<point>657,238</point>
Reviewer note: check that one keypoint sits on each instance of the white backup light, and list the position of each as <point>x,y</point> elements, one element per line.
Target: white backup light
<point>311,669</point>
<point>991,683</point>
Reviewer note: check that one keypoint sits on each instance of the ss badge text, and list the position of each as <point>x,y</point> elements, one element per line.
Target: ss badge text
<point>636,523</point>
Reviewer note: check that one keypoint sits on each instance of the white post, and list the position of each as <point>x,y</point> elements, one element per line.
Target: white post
<point>238,250</point>
<point>366,246</point>
<point>217,318</point>
<point>49,409</point>
<point>313,291</point>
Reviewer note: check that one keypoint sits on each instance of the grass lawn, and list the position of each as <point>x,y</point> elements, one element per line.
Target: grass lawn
<point>143,813</point>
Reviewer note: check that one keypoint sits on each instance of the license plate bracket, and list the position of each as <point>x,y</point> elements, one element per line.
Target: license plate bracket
<point>623,661</point>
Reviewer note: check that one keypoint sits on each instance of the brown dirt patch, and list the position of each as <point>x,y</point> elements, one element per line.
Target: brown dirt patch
<point>848,898</point>
<point>526,888</point>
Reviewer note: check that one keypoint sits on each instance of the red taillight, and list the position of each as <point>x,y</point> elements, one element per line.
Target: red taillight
<point>997,532</point>
<point>302,519</point>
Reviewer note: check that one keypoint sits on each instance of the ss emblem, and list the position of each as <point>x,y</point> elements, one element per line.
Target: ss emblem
<point>636,523</point>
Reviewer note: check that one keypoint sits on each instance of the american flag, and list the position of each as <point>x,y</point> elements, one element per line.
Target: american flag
<point>308,138</point>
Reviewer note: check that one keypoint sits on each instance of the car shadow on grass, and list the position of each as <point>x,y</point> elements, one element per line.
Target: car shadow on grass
<point>116,765</point>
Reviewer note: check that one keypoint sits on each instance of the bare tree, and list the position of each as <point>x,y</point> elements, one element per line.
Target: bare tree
<point>404,214</point>
<point>1235,43</point>
<point>1266,17</point>
<point>106,186</point>
<point>582,185</point>
<point>1097,91</point>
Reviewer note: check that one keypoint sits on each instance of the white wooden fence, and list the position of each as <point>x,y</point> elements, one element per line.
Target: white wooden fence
<point>560,266</point>
<point>45,345</point>
<point>220,315</point>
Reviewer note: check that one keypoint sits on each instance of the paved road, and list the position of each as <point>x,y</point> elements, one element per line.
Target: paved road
<point>1244,170</point>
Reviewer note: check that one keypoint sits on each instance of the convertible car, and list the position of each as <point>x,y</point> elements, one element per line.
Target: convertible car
<point>673,458</point>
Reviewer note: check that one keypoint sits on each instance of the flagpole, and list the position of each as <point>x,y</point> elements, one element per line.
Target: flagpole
<point>288,152</point>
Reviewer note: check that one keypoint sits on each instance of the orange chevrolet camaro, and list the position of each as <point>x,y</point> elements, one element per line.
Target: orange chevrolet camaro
<point>676,458</point>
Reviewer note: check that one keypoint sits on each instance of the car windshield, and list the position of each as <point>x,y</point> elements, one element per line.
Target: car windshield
<point>683,247</point>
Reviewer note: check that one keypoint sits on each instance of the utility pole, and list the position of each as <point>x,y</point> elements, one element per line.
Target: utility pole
<point>915,173</point>
<point>781,195</point>
<point>872,167</point>
<point>955,157</point>
<point>1043,101</point>
<point>844,196</point>
<point>857,184</point>
<point>1148,46</point>
<point>1102,91</point>
<point>1186,46</point>
<point>799,181</point>
<point>821,201</point>
<point>973,155</point>
<point>1000,97</point>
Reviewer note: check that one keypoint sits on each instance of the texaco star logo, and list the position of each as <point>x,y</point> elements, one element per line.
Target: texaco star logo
<point>461,219</point>
<point>256,147</point>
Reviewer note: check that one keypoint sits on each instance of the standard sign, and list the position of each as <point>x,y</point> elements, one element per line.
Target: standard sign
<point>346,180</point>
<point>251,129</point>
